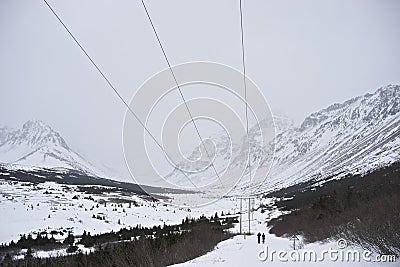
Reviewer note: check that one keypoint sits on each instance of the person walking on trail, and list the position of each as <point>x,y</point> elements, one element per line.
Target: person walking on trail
<point>263,238</point>
<point>259,238</point>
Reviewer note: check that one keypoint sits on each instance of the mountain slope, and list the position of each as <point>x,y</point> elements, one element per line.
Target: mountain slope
<point>356,136</point>
<point>37,144</point>
<point>353,137</point>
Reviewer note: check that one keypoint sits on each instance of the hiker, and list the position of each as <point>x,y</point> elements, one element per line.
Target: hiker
<point>259,237</point>
<point>263,238</point>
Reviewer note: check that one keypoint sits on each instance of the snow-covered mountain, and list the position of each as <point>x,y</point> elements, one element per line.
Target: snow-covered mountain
<point>356,136</point>
<point>37,144</point>
<point>201,175</point>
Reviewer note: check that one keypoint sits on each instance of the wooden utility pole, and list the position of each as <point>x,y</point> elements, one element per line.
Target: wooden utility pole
<point>253,203</point>
<point>240,223</point>
<point>249,215</point>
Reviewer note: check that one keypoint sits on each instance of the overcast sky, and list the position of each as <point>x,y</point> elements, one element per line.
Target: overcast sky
<point>304,55</point>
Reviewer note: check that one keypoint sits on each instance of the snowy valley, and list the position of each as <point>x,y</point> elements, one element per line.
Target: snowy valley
<point>47,187</point>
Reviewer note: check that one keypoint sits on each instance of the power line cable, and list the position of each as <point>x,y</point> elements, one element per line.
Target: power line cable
<point>179,89</point>
<point>252,193</point>
<point>245,85</point>
<point>112,86</point>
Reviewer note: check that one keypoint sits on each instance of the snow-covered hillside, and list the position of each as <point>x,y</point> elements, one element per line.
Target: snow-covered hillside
<point>54,206</point>
<point>37,144</point>
<point>356,136</point>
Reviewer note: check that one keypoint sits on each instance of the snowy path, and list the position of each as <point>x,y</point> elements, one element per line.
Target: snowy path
<point>243,251</point>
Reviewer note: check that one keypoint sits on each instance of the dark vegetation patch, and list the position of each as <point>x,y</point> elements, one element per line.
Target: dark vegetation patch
<point>73,177</point>
<point>138,246</point>
<point>364,210</point>
<point>42,241</point>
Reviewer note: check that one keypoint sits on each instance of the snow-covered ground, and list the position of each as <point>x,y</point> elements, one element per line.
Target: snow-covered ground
<point>245,251</point>
<point>27,208</point>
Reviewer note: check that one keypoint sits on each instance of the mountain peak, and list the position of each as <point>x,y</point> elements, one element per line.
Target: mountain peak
<point>35,124</point>
<point>377,106</point>
<point>35,134</point>
<point>37,144</point>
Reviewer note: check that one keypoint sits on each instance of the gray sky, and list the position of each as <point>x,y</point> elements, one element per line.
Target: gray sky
<point>304,55</point>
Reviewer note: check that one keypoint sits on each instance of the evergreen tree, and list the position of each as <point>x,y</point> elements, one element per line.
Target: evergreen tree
<point>70,239</point>
<point>29,253</point>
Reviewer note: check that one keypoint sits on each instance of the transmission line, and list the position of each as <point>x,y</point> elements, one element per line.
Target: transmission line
<point>179,88</point>
<point>112,86</point>
<point>244,83</point>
